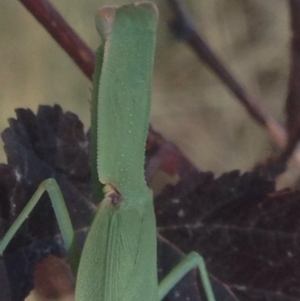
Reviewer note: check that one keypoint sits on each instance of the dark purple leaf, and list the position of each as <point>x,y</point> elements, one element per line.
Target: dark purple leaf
<point>247,232</point>
<point>53,144</point>
<point>50,144</point>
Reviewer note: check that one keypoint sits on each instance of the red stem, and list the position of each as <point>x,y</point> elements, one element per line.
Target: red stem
<point>63,34</point>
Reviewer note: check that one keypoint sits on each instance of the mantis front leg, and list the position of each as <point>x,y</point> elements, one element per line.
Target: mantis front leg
<point>61,213</point>
<point>191,261</point>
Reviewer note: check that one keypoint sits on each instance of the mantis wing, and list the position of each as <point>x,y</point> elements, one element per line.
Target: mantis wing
<point>118,262</point>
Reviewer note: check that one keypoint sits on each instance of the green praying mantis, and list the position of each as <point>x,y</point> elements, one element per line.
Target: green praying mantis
<point>118,261</point>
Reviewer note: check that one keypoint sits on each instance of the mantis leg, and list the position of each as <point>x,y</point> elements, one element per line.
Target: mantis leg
<point>62,215</point>
<point>193,260</point>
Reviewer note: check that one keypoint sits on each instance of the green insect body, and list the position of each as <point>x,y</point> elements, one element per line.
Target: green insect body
<point>123,266</point>
<point>124,95</point>
<point>119,257</point>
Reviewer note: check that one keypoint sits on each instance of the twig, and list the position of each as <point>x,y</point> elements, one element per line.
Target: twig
<point>63,34</point>
<point>292,105</point>
<point>184,28</point>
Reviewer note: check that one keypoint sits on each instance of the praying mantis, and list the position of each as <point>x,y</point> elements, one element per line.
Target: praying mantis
<point>118,261</point>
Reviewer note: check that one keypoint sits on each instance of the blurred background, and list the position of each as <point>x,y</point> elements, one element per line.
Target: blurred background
<point>191,107</point>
